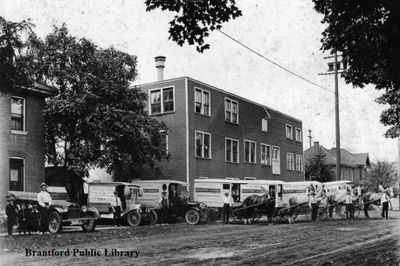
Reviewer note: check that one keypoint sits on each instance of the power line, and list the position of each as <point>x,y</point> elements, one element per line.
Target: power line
<point>282,67</point>
<point>274,63</point>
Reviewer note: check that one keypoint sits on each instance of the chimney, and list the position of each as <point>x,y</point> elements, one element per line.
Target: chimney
<point>160,64</point>
<point>316,144</point>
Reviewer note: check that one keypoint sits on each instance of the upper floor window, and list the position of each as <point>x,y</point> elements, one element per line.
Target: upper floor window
<point>231,111</point>
<point>249,151</point>
<point>264,125</point>
<point>231,150</point>
<point>265,154</point>
<point>299,163</point>
<point>17,113</point>
<point>203,145</point>
<point>298,135</point>
<point>162,100</point>
<point>202,102</point>
<point>290,161</point>
<point>289,132</point>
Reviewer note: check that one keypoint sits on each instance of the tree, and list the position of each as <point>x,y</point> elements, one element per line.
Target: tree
<point>367,33</point>
<point>12,43</point>
<point>316,169</point>
<point>382,172</point>
<point>97,119</point>
<point>195,19</point>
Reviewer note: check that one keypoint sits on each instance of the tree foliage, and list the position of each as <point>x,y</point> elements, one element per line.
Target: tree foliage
<point>97,119</point>
<point>12,44</point>
<point>195,19</point>
<point>367,33</point>
<point>382,172</point>
<point>316,169</point>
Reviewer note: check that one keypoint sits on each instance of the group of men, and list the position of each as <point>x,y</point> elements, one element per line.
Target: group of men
<point>30,217</point>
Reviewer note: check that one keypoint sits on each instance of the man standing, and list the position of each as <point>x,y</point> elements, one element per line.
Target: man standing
<point>348,200</point>
<point>164,208</point>
<point>312,201</point>
<point>44,201</point>
<point>11,212</point>
<point>385,205</point>
<point>116,209</point>
<point>227,201</point>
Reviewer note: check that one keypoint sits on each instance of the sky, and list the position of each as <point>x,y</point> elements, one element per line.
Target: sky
<point>287,32</point>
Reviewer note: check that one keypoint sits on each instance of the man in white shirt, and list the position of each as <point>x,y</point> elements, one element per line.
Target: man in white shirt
<point>348,200</point>
<point>312,201</point>
<point>385,205</point>
<point>226,208</point>
<point>44,201</point>
<point>116,209</point>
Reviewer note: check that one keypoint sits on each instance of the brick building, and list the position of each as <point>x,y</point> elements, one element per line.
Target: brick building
<point>22,139</point>
<point>353,166</point>
<point>216,134</point>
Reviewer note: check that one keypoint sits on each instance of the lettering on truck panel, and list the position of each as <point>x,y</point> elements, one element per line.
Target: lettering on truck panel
<point>254,191</point>
<point>211,190</point>
<point>150,190</point>
<point>294,191</point>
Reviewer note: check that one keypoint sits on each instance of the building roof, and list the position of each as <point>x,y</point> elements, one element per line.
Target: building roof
<point>224,91</point>
<point>346,158</point>
<point>41,89</point>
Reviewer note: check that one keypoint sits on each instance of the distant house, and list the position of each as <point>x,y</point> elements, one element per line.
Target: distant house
<point>22,147</point>
<point>354,166</point>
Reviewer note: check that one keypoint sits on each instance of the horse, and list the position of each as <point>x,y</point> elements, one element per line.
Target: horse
<point>267,201</point>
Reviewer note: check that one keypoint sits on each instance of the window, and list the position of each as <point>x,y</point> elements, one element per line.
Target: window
<point>299,163</point>
<point>17,113</point>
<point>249,151</point>
<point>202,102</point>
<point>289,132</point>
<point>203,145</point>
<point>265,154</point>
<point>16,174</point>
<point>231,150</point>
<point>231,111</point>
<point>264,125</point>
<point>162,100</point>
<point>290,161</point>
<point>298,135</point>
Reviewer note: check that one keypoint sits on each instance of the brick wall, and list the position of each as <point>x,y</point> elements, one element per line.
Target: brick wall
<point>29,146</point>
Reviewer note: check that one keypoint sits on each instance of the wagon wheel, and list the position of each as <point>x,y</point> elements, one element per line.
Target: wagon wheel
<point>133,218</point>
<point>340,210</point>
<point>204,214</point>
<point>357,210</point>
<point>192,217</point>
<point>153,217</point>
<point>89,225</point>
<point>55,221</point>
<point>323,214</point>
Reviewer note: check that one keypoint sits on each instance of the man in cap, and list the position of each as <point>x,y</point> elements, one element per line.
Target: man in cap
<point>11,212</point>
<point>44,201</point>
<point>226,208</point>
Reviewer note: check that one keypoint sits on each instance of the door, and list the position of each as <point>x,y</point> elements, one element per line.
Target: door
<point>16,174</point>
<point>276,163</point>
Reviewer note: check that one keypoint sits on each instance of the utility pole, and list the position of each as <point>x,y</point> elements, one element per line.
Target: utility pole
<point>334,69</point>
<point>309,136</point>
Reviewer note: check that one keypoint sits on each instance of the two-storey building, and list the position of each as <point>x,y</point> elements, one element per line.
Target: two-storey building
<point>22,147</point>
<point>216,134</point>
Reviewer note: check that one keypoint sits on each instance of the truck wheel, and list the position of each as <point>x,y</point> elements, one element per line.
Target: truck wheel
<point>55,221</point>
<point>89,225</point>
<point>192,217</point>
<point>204,214</point>
<point>153,217</point>
<point>133,218</point>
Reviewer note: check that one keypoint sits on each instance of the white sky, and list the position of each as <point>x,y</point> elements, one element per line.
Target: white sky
<point>287,32</point>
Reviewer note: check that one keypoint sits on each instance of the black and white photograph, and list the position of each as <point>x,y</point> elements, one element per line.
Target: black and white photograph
<point>200,132</point>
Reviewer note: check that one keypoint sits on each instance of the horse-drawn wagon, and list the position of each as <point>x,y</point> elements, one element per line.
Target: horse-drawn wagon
<point>165,197</point>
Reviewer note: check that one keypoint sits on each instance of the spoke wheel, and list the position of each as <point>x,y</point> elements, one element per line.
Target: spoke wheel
<point>89,225</point>
<point>55,221</point>
<point>153,217</point>
<point>192,217</point>
<point>133,218</point>
<point>204,214</point>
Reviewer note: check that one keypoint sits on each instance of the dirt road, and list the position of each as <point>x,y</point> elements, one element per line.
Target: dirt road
<point>339,242</point>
